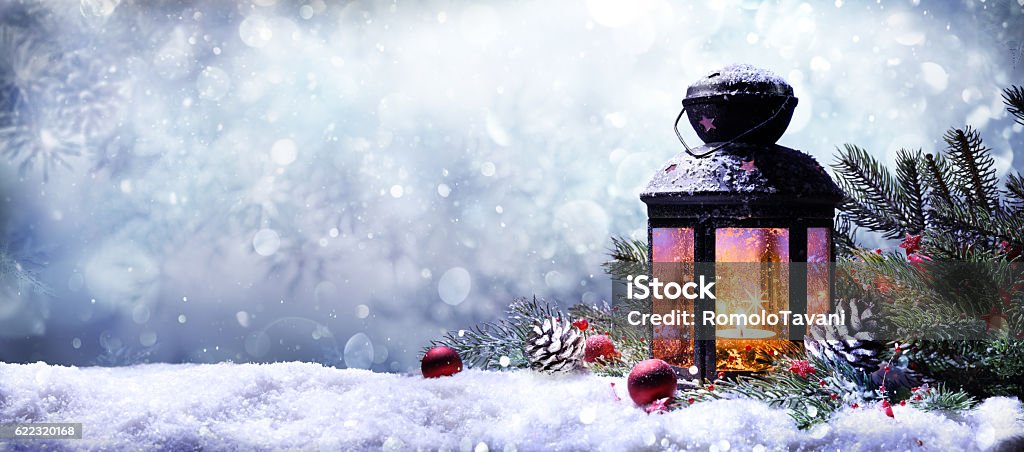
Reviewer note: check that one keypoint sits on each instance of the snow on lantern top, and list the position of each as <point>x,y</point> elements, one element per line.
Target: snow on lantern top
<point>754,172</point>
<point>740,103</point>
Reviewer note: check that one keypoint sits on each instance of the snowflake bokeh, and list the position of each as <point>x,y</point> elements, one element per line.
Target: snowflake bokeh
<point>342,182</point>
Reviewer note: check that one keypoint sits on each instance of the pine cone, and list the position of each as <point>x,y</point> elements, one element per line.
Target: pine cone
<point>851,342</point>
<point>554,345</point>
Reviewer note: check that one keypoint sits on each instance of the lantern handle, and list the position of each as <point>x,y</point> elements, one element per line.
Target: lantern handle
<point>720,146</point>
<point>681,140</point>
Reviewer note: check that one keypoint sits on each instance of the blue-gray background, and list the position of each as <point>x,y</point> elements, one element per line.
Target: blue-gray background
<point>344,181</point>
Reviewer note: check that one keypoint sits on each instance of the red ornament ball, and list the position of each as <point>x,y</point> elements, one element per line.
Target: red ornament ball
<point>651,380</point>
<point>441,361</point>
<point>599,346</point>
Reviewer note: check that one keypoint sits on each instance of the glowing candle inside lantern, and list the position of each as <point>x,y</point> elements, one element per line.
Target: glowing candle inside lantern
<point>753,276</point>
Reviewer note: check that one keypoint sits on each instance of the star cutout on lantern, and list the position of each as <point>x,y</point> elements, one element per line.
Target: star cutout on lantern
<point>707,123</point>
<point>748,166</point>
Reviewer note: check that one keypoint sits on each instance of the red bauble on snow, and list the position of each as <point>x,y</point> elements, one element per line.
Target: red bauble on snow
<point>651,380</point>
<point>599,346</point>
<point>441,361</point>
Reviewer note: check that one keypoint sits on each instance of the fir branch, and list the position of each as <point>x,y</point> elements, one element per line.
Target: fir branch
<point>629,257</point>
<point>808,399</point>
<point>976,225</point>
<point>909,181</point>
<point>973,169</point>
<point>1015,194</point>
<point>871,199</point>
<point>979,368</point>
<point>940,398</point>
<point>1013,97</point>
<point>844,233</point>
<point>12,272</point>
<point>937,176</point>
<point>483,345</point>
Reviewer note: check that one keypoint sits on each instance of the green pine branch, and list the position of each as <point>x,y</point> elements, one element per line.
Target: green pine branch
<point>483,345</point>
<point>941,398</point>
<point>871,198</point>
<point>910,186</point>
<point>628,257</point>
<point>1013,97</point>
<point>937,177</point>
<point>974,172</point>
<point>808,399</point>
<point>1014,194</point>
<point>844,235</point>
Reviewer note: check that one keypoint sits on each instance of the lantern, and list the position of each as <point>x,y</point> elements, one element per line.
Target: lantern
<point>753,216</point>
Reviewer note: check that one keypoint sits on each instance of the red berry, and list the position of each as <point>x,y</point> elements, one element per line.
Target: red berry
<point>711,387</point>
<point>822,383</point>
<point>721,375</point>
<point>903,403</point>
<point>833,396</point>
<point>690,400</point>
<point>854,406</point>
<point>582,324</point>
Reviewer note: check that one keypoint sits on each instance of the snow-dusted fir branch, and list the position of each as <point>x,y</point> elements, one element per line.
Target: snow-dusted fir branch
<point>984,368</point>
<point>809,390</point>
<point>499,344</point>
<point>15,275</point>
<point>628,257</point>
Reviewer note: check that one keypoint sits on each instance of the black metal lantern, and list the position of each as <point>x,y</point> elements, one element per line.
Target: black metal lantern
<point>754,216</point>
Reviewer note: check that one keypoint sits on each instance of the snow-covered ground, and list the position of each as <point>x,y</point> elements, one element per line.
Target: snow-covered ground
<point>299,405</point>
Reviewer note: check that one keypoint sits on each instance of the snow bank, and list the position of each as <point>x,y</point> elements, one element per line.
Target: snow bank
<point>298,405</point>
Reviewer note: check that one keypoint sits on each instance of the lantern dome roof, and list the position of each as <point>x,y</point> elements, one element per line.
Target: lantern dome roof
<point>738,172</point>
<point>739,79</point>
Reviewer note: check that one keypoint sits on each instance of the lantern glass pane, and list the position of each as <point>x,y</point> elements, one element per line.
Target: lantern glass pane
<point>672,252</point>
<point>752,271</point>
<point>819,250</point>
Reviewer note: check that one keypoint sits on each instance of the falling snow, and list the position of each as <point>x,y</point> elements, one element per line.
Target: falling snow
<point>342,182</point>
